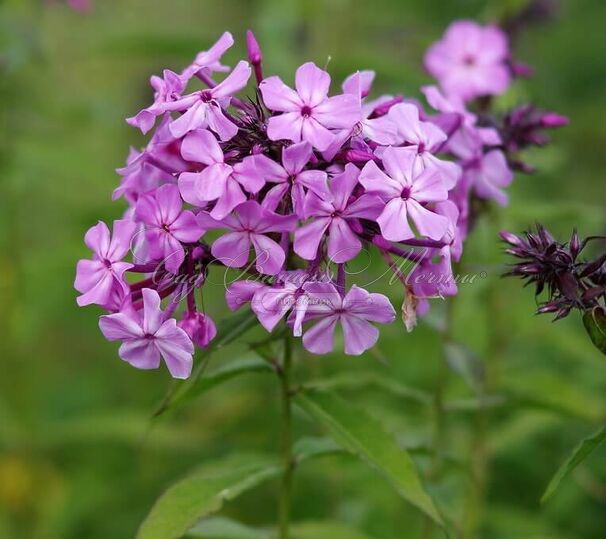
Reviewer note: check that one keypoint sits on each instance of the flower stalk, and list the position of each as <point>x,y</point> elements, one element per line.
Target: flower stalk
<point>288,464</point>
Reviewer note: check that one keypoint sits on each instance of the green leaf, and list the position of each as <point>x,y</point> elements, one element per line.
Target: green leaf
<point>224,374</point>
<point>228,331</point>
<point>356,380</point>
<point>325,529</point>
<point>311,447</point>
<point>595,324</point>
<point>224,528</point>
<point>203,492</point>
<point>358,433</point>
<point>578,455</point>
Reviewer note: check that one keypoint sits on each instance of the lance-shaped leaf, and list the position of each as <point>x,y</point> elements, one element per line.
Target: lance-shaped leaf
<point>595,324</point>
<point>204,491</point>
<point>578,455</point>
<point>363,436</point>
<point>225,528</point>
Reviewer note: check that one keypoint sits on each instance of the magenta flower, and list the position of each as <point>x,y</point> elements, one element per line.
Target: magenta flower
<point>148,336</point>
<point>218,181</point>
<point>423,138</point>
<point>169,88</point>
<point>167,91</point>
<point>355,312</point>
<point>167,225</point>
<point>249,224</point>
<point>406,191</point>
<point>271,303</point>
<point>100,280</point>
<point>199,327</point>
<point>489,175</point>
<point>239,293</point>
<point>339,216</point>
<point>204,108</point>
<point>470,60</point>
<point>151,167</point>
<point>84,6</point>
<point>308,112</point>
<point>291,175</point>
<point>208,62</point>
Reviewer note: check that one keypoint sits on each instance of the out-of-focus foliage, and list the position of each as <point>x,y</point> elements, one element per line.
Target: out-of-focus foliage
<point>79,454</point>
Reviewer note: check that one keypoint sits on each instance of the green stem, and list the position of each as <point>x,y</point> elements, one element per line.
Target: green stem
<point>439,411</point>
<point>287,458</point>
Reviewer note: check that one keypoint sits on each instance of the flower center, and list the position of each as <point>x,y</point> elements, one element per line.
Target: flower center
<point>405,194</point>
<point>421,148</point>
<point>206,96</point>
<point>306,111</point>
<point>166,228</point>
<point>469,60</point>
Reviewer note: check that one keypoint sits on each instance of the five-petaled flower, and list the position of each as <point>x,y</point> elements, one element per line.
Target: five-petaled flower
<point>167,225</point>
<point>470,60</point>
<point>406,190</point>
<point>147,335</point>
<point>308,113</point>
<point>355,311</point>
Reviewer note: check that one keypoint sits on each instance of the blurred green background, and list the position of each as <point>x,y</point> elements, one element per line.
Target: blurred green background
<point>76,457</point>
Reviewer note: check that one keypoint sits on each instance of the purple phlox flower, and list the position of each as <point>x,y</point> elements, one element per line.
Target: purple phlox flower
<point>381,129</point>
<point>209,61</point>
<point>249,223</point>
<point>151,167</point>
<point>423,138</point>
<point>308,113</point>
<point>100,280</point>
<point>271,303</point>
<point>218,181</point>
<point>448,104</point>
<point>486,173</point>
<point>470,60</point>
<point>431,279</point>
<point>355,311</point>
<point>167,91</point>
<point>147,336</point>
<point>83,6</point>
<point>204,108</point>
<point>339,216</point>
<point>454,235</point>
<point>406,191</point>
<point>291,175</point>
<point>199,327</point>
<point>489,175</point>
<point>169,88</point>
<point>168,226</point>
<point>239,293</point>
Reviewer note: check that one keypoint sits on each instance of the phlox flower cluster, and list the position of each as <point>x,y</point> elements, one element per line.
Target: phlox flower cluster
<point>288,181</point>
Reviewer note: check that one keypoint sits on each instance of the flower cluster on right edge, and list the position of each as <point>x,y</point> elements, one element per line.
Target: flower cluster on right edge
<point>298,181</point>
<point>558,270</point>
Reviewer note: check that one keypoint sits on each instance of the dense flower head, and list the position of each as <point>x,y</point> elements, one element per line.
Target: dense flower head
<point>470,60</point>
<point>285,184</point>
<point>557,268</point>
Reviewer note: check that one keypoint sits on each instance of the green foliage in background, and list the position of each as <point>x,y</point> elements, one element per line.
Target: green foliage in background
<point>84,452</point>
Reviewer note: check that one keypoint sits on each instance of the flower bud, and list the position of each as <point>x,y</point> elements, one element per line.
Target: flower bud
<point>200,328</point>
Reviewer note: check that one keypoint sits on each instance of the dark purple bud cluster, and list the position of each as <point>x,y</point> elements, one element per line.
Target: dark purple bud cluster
<point>525,126</point>
<point>570,282</point>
